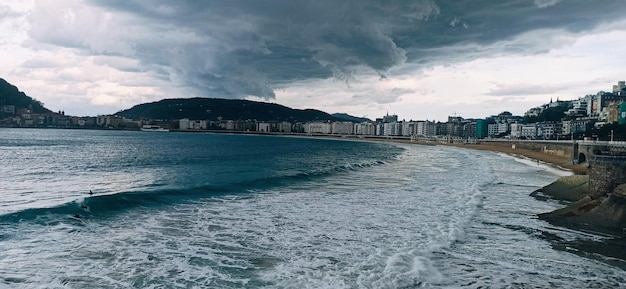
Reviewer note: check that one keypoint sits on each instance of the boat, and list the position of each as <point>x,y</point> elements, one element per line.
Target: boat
<point>151,127</point>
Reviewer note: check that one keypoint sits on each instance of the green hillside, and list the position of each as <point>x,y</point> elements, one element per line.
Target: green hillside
<point>10,95</point>
<point>227,109</point>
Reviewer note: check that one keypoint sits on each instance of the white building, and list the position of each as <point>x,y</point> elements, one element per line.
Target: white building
<point>579,107</point>
<point>494,129</point>
<point>102,120</point>
<point>408,128</point>
<point>365,128</point>
<point>284,127</point>
<point>392,129</point>
<point>547,130</point>
<point>342,128</point>
<point>426,128</point>
<point>529,131</point>
<point>567,127</point>
<point>318,127</point>
<point>516,130</point>
<point>263,127</point>
<point>186,124</point>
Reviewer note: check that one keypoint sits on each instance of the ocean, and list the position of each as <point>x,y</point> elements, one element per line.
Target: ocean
<point>199,210</point>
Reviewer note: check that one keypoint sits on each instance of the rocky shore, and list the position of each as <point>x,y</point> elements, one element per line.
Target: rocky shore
<point>605,215</point>
<point>583,210</point>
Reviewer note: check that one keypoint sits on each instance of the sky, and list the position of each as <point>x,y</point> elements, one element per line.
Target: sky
<point>418,59</point>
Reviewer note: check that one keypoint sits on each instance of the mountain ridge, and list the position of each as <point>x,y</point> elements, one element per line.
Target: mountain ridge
<point>227,109</point>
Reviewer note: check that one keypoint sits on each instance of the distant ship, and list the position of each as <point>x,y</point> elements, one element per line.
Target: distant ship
<point>149,127</point>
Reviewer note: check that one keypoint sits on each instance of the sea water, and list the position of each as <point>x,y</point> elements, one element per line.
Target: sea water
<point>184,210</point>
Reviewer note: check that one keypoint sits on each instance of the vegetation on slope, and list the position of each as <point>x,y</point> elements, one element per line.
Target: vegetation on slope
<point>10,95</point>
<point>217,109</point>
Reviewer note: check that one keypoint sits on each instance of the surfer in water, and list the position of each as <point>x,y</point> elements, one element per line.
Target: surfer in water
<point>90,193</point>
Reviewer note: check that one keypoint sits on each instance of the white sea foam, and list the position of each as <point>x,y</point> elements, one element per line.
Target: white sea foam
<point>436,217</point>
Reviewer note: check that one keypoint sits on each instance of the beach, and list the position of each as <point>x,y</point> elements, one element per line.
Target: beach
<point>562,162</point>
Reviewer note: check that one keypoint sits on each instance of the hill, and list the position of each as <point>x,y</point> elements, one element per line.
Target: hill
<point>347,117</point>
<point>215,109</point>
<point>10,95</point>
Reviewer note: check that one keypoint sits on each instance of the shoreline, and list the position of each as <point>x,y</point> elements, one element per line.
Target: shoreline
<point>610,248</point>
<point>559,162</point>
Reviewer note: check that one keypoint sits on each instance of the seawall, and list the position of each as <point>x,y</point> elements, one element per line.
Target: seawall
<point>605,174</point>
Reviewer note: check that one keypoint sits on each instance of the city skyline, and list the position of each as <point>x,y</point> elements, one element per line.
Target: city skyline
<point>418,59</point>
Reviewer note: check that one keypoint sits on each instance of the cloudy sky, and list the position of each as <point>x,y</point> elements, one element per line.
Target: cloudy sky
<point>419,59</point>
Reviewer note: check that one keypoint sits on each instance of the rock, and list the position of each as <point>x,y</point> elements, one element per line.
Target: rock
<point>605,214</point>
<point>570,188</point>
<point>620,190</point>
<point>577,209</point>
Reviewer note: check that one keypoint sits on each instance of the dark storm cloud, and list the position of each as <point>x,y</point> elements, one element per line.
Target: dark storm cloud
<point>242,47</point>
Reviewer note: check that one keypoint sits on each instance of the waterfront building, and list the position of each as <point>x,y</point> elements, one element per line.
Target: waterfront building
<point>284,127</point>
<point>430,128</point>
<point>409,128</point>
<point>442,128</point>
<point>455,126</point>
<point>345,128</point>
<point>318,127</point>
<point>263,127</point>
<point>529,131</point>
<point>425,128</point>
<point>365,128</point>
<point>298,127</point>
<point>516,130</point>
<point>548,130</point>
<point>380,129</point>
<point>392,128</point>
<point>482,128</point>
<point>111,121</point>
<point>186,124</point>
<point>496,129</point>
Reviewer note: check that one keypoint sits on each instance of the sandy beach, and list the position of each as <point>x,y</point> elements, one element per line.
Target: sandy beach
<point>562,162</point>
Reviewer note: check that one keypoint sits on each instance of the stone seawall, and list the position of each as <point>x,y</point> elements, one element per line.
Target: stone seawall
<point>605,173</point>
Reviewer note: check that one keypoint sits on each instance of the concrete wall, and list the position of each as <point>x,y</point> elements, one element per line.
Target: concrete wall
<point>549,147</point>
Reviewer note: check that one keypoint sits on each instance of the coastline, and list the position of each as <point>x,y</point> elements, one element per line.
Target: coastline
<point>559,162</point>
<point>610,248</point>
